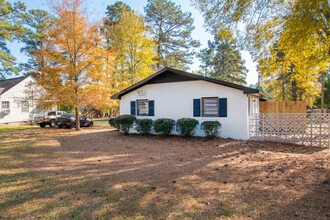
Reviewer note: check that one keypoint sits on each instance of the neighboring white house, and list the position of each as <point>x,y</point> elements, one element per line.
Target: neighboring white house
<point>175,94</point>
<point>17,102</point>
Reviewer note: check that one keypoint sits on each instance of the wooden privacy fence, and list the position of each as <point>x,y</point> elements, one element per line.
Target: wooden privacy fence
<point>310,129</point>
<point>283,107</point>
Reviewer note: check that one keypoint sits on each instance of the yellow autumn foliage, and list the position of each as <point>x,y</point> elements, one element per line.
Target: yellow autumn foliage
<point>78,70</point>
<point>134,48</point>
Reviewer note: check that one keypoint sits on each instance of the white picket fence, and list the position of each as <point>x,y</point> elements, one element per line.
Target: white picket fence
<point>310,129</point>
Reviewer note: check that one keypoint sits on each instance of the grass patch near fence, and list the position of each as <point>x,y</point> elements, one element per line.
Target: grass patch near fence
<point>16,128</point>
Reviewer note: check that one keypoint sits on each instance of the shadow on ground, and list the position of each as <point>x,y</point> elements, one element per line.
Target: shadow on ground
<point>103,174</point>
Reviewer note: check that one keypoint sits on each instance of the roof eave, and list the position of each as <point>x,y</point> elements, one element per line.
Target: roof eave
<point>246,90</point>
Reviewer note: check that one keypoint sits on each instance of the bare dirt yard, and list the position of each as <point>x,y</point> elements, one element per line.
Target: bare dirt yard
<point>99,173</point>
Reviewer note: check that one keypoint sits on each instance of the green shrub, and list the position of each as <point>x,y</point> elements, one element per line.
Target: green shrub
<point>211,128</point>
<point>186,126</point>
<point>113,123</point>
<point>143,126</point>
<point>164,126</point>
<point>125,122</point>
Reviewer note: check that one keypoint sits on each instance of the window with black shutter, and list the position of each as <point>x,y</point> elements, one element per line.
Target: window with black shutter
<point>133,108</point>
<point>197,108</point>
<point>223,107</point>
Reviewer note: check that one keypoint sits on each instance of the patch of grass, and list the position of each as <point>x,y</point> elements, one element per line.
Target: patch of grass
<point>16,128</point>
<point>101,123</point>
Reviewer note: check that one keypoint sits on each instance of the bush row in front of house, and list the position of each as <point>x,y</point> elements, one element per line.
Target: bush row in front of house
<point>164,126</point>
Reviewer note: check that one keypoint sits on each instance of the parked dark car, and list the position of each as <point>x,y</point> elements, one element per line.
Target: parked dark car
<point>69,121</point>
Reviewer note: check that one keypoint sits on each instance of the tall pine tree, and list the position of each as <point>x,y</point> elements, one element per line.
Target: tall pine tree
<point>222,60</point>
<point>11,29</point>
<point>171,28</point>
<point>38,24</point>
<point>113,15</point>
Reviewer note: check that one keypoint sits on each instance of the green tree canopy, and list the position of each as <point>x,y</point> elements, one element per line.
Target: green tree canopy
<point>171,28</point>
<point>11,29</point>
<point>222,60</point>
<point>113,14</point>
<point>38,23</point>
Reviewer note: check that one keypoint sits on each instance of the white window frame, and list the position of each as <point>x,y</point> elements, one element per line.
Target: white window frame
<point>203,107</point>
<point>3,107</point>
<point>138,109</point>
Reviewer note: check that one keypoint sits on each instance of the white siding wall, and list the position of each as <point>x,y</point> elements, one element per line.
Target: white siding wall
<point>175,101</point>
<point>15,95</point>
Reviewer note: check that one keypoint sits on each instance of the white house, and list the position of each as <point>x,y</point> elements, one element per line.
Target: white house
<point>176,94</point>
<point>17,99</point>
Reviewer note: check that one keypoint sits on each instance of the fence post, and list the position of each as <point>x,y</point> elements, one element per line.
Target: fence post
<point>311,124</point>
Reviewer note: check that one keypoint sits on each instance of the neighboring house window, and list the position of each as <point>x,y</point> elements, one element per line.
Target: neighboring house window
<point>210,107</point>
<point>5,105</point>
<point>25,106</point>
<point>142,107</point>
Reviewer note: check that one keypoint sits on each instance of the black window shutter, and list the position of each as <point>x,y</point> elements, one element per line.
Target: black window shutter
<point>197,108</point>
<point>151,108</point>
<point>223,107</point>
<point>133,108</point>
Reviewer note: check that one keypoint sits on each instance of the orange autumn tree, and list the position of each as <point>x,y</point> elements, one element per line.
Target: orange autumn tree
<point>78,69</point>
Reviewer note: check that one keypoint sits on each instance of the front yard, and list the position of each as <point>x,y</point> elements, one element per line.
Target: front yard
<point>99,173</point>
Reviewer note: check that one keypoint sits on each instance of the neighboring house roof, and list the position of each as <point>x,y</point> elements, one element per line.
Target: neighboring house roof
<point>167,75</point>
<point>7,84</point>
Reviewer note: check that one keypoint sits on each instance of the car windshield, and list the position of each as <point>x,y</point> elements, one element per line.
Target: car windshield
<point>51,113</point>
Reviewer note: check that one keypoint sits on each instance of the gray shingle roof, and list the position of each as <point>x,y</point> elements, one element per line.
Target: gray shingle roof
<point>173,75</point>
<point>7,84</point>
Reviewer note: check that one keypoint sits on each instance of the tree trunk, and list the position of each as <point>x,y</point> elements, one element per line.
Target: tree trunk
<point>77,119</point>
<point>294,90</point>
<point>283,91</point>
<point>322,92</point>
<point>158,54</point>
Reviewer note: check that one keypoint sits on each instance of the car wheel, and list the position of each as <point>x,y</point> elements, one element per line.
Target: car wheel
<point>72,125</point>
<point>90,124</point>
<point>42,125</point>
<point>52,123</point>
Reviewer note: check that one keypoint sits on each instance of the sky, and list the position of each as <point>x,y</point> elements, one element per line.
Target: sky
<point>98,8</point>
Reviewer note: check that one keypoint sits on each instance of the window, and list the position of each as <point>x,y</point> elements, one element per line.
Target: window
<point>142,107</point>
<point>210,107</point>
<point>25,106</point>
<point>5,105</point>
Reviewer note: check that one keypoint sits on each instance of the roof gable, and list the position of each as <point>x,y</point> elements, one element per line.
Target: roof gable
<point>7,84</point>
<point>167,75</point>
